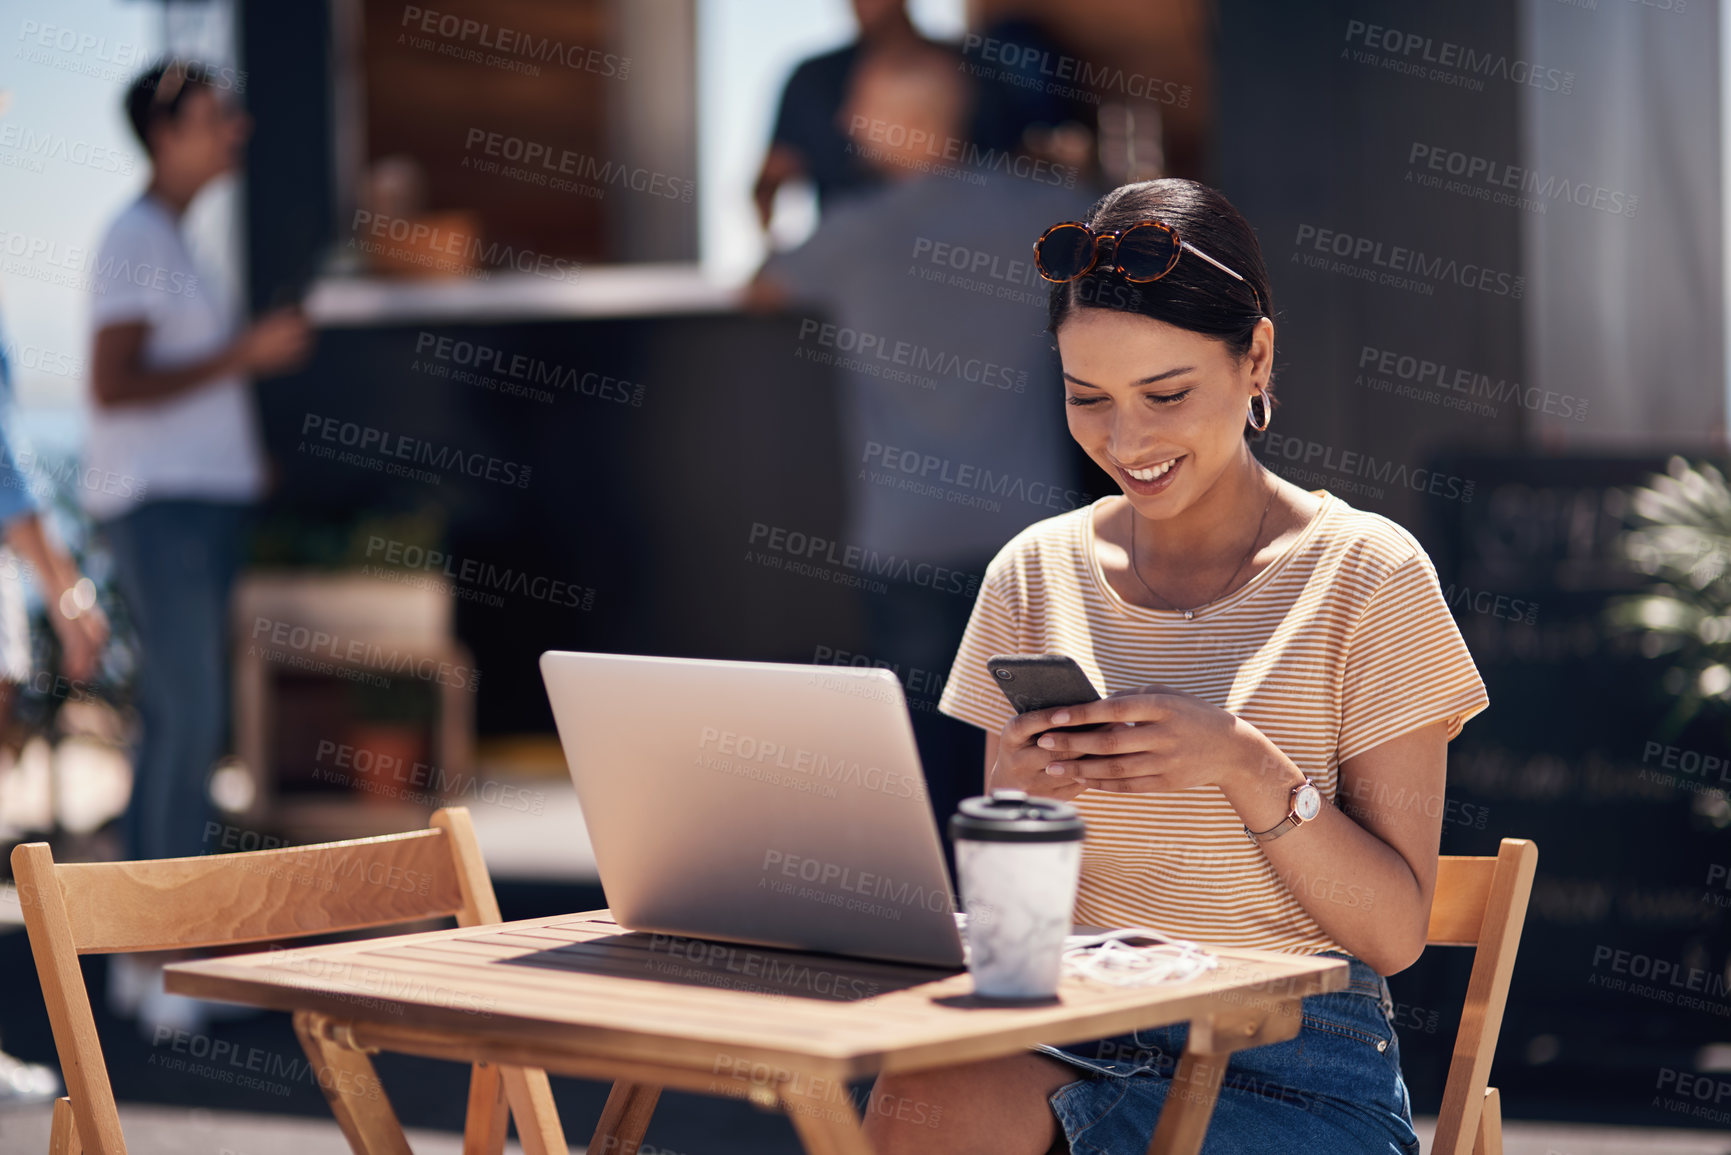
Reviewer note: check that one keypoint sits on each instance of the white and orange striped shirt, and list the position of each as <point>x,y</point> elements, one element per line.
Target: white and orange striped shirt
<point>1339,645</point>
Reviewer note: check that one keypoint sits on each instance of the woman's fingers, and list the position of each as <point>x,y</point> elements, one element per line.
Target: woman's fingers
<point>1151,784</point>
<point>1095,770</point>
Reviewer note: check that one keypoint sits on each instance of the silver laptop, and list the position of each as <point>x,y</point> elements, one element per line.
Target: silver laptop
<point>773,804</point>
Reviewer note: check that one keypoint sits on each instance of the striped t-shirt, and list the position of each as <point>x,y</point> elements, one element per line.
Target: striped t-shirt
<point>1339,645</point>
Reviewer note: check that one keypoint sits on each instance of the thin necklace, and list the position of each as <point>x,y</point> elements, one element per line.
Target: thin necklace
<point>1191,612</point>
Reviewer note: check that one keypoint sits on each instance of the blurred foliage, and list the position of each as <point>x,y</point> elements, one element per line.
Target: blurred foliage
<point>1680,536</point>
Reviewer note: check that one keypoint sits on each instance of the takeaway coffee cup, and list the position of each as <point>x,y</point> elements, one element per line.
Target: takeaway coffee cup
<point>1018,859</point>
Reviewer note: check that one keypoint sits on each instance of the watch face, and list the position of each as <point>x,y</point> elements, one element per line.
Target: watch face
<point>1308,804</point>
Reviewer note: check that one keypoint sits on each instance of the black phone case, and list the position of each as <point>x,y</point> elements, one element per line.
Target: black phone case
<point>1043,682</point>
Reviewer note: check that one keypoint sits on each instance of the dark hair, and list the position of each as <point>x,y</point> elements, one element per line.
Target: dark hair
<point>159,94</point>
<point>1194,295</point>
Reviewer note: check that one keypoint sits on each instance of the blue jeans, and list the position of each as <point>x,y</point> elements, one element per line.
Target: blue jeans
<point>174,564</point>
<point>1335,1088</point>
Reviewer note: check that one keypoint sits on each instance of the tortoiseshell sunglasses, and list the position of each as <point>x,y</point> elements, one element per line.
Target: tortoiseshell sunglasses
<point>1146,251</point>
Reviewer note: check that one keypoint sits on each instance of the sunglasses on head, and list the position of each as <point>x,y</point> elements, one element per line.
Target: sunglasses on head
<point>1144,252</point>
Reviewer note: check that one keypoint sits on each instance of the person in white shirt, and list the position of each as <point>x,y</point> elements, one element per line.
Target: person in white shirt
<point>174,444</point>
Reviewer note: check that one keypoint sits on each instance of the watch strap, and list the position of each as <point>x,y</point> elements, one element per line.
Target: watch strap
<point>1290,822</point>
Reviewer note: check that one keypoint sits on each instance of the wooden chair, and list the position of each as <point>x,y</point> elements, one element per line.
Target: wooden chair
<point>72,909</point>
<point>1481,903</point>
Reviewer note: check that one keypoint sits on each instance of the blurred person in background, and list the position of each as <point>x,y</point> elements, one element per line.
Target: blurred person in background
<point>70,600</point>
<point>172,423</point>
<point>173,435</point>
<point>809,141</point>
<point>887,265</point>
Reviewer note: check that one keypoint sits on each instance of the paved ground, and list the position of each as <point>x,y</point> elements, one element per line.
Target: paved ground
<point>152,1130</point>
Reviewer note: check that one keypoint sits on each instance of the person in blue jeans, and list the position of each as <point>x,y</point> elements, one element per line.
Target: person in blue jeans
<point>78,622</point>
<point>173,448</point>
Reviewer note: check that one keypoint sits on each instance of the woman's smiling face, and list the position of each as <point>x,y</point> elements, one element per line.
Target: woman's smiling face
<point>1167,403</point>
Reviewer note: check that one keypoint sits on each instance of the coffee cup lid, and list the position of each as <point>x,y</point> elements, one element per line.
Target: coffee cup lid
<point>1013,816</point>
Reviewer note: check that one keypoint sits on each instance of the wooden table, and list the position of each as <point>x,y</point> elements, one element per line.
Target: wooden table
<point>576,995</point>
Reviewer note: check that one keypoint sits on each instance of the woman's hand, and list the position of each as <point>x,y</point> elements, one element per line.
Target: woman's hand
<point>1021,764</point>
<point>1156,739</point>
<point>82,638</point>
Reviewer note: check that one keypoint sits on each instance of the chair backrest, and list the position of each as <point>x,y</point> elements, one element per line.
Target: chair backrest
<point>106,907</point>
<point>1482,903</point>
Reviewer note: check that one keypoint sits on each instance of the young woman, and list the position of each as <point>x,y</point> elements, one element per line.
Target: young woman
<point>1282,674</point>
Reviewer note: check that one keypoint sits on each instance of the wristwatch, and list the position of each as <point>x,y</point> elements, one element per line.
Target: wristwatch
<point>1306,804</point>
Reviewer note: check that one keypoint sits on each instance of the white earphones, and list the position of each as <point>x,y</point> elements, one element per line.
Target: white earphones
<point>1109,958</point>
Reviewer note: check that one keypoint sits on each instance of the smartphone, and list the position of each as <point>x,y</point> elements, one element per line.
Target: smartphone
<point>1043,682</point>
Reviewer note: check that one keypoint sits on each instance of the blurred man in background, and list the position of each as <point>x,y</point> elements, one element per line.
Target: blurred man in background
<point>809,142</point>
<point>172,421</point>
<point>937,264</point>
<point>174,436</point>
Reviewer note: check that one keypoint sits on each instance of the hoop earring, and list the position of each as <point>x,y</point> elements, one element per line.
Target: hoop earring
<point>1267,411</point>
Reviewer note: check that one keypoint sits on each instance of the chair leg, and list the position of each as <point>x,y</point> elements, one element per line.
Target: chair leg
<point>1489,1140</point>
<point>624,1119</point>
<point>63,1130</point>
<point>488,1115</point>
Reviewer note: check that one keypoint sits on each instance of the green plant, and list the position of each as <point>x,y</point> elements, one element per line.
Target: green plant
<point>1680,535</point>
